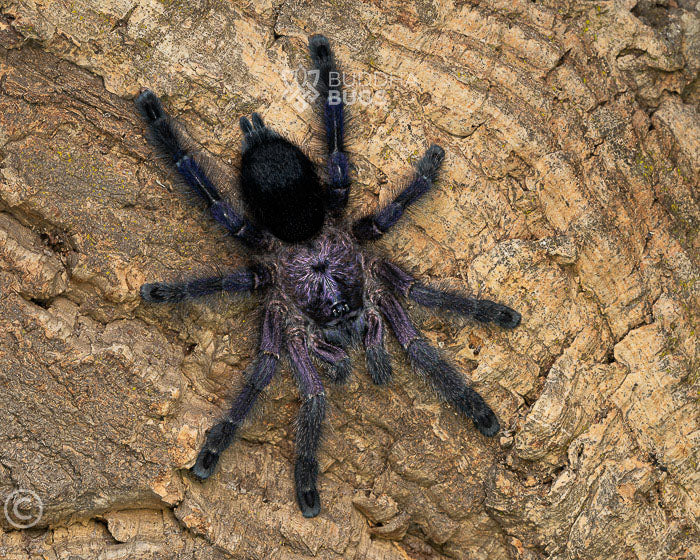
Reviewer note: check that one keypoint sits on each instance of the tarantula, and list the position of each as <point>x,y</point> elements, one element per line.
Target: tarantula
<point>323,291</point>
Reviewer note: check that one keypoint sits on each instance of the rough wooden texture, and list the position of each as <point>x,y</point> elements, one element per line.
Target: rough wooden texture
<point>570,192</point>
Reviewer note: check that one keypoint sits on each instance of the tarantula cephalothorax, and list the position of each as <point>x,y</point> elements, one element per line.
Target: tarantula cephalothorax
<point>322,290</point>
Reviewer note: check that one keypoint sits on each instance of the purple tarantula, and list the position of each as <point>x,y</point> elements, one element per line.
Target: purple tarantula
<point>323,291</point>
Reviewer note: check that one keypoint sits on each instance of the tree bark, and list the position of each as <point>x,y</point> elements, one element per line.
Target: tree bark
<point>569,191</point>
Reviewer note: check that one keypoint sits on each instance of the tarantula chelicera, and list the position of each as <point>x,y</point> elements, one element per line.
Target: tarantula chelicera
<point>323,291</point>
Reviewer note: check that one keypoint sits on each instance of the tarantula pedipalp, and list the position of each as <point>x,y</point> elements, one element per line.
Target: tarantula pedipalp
<point>323,291</point>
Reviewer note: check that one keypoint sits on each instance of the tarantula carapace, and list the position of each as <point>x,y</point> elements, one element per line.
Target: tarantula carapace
<point>322,290</point>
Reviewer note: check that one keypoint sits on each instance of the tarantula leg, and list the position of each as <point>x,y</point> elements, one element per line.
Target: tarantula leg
<point>378,359</point>
<point>337,359</point>
<point>447,381</point>
<point>244,280</point>
<point>483,310</point>
<point>331,102</point>
<point>309,423</point>
<point>167,139</point>
<point>373,227</point>
<point>222,434</point>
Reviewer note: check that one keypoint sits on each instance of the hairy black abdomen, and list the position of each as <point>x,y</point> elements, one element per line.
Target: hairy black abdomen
<point>280,186</point>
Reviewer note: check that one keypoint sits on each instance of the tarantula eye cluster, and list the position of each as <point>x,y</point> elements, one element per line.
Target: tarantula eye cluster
<point>322,289</point>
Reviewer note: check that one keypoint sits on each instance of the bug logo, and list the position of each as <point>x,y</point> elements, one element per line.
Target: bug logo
<point>23,508</point>
<point>300,87</point>
<point>351,88</point>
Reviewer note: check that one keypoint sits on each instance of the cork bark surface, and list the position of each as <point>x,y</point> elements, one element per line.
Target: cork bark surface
<point>569,192</point>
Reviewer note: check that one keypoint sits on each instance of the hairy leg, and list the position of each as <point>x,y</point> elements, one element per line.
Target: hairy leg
<point>222,434</point>
<point>374,226</point>
<point>447,381</point>
<point>483,310</point>
<point>244,280</point>
<point>378,359</point>
<point>166,138</point>
<point>309,423</point>
<point>337,359</point>
<point>333,113</point>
